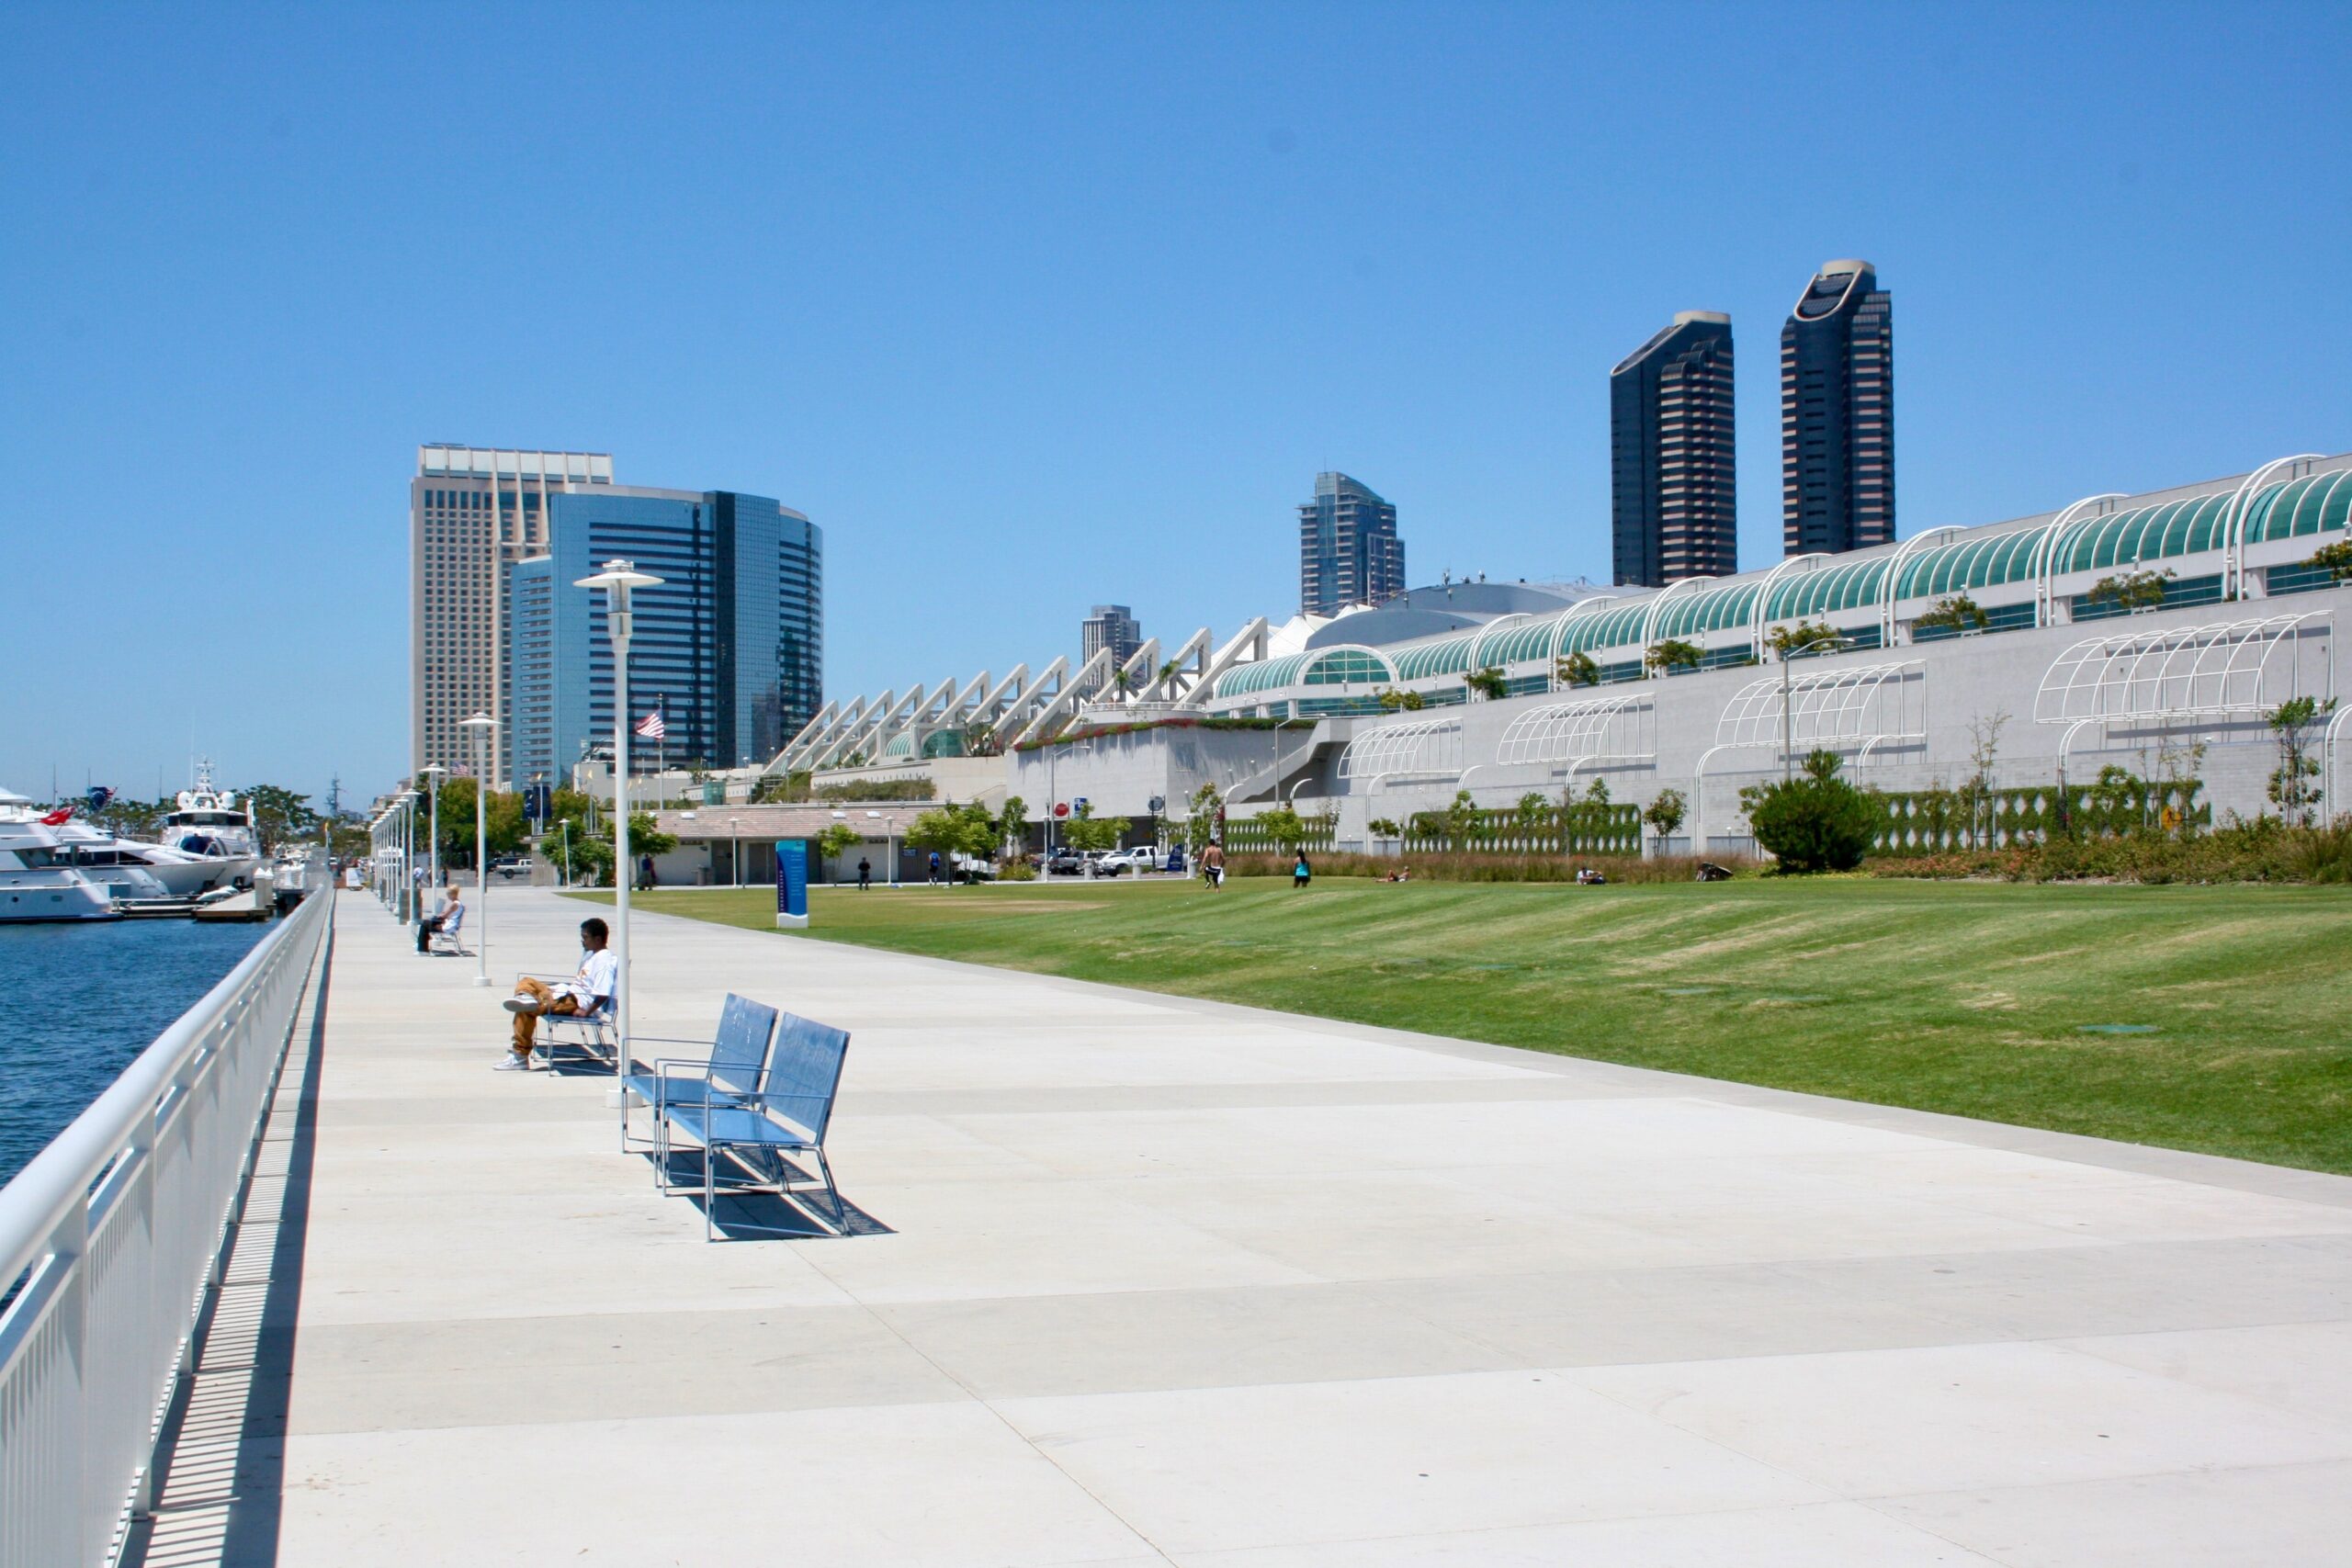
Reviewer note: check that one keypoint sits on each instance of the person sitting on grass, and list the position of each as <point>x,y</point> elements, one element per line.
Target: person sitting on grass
<point>535,998</point>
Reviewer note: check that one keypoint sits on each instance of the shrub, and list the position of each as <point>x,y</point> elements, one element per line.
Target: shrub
<point>1818,822</point>
<point>1456,866</point>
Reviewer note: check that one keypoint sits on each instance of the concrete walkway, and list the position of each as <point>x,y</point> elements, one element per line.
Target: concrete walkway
<point>1165,1281</point>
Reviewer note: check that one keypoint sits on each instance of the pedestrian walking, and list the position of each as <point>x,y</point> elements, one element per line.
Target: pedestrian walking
<point>864,874</point>
<point>1301,871</point>
<point>645,877</point>
<point>1212,865</point>
<point>935,866</point>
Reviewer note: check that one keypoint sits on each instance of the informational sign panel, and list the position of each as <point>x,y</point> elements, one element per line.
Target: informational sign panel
<point>791,883</point>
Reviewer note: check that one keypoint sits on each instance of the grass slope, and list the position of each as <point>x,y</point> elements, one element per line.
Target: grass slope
<point>1962,997</point>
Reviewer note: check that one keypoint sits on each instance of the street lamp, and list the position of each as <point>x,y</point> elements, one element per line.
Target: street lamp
<point>735,849</point>
<point>619,580</point>
<point>477,728</point>
<point>433,772</point>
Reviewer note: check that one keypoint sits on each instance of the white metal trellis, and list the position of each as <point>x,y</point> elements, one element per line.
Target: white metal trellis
<point>1431,746</point>
<point>1865,705</point>
<point>1597,729</point>
<point>2228,668</point>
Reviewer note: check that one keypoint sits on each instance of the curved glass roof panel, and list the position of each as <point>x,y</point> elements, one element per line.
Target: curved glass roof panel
<point>1710,610</point>
<point>1826,590</point>
<point>2148,533</point>
<point>2308,505</point>
<point>1522,642</point>
<point>1261,675</point>
<point>1422,660</point>
<point>1620,627</point>
<point>1955,568</point>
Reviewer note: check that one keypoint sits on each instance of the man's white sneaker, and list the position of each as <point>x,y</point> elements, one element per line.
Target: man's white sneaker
<point>513,1064</point>
<point>520,1004</point>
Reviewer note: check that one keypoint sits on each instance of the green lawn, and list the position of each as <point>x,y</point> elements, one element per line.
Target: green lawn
<point>1963,998</point>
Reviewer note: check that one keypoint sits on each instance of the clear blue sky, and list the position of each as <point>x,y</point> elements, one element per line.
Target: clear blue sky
<point>1035,305</point>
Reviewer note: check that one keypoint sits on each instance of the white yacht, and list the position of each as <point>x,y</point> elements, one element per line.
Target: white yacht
<point>43,876</point>
<point>210,824</point>
<point>181,874</point>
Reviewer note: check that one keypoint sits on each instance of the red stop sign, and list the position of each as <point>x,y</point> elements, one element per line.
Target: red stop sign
<point>1061,809</point>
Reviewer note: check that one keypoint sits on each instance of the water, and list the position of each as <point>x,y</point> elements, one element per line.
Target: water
<point>78,1002</point>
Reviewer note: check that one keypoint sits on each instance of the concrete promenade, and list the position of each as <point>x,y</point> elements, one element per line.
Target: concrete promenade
<point>1148,1280</point>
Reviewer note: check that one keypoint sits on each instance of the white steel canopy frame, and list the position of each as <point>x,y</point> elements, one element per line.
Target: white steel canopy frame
<point>1431,746</point>
<point>1860,707</point>
<point>2231,669</point>
<point>1599,729</point>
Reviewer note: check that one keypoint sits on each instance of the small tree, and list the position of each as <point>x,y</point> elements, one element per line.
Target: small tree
<point>1489,683</point>
<point>1804,638</point>
<point>1532,809</point>
<point>1665,814</point>
<point>2293,790</point>
<point>1284,826</point>
<point>836,841</point>
<point>1960,613</point>
<point>1084,831</point>
<point>2334,559</point>
<point>1012,824</point>
<point>1385,827</point>
<point>1666,657</point>
<point>1976,794</point>
<point>1577,670</point>
<point>1462,819</point>
<point>2131,590</point>
<point>1394,701</point>
<point>1816,822</point>
<point>1201,825</point>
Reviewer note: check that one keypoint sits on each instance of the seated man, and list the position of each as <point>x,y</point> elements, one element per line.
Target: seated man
<point>451,915</point>
<point>534,998</point>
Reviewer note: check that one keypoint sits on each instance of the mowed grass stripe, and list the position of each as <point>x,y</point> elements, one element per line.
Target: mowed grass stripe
<point>1971,998</point>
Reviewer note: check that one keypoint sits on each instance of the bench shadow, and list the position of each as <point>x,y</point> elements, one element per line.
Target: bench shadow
<point>750,1216</point>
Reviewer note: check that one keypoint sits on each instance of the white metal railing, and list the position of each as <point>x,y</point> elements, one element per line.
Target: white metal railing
<point>111,1237</point>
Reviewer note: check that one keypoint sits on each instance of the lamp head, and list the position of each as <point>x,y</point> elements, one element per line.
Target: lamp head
<point>619,576</point>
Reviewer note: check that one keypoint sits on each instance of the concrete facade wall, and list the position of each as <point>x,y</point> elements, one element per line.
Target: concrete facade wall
<point>1964,679</point>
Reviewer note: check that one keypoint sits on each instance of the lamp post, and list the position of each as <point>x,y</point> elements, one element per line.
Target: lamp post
<point>408,798</point>
<point>735,849</point>
<point>619,580</point>
<point>477,728</point>
<point>433,773</point>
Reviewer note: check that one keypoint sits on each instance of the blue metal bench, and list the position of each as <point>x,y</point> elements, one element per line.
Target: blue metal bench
<point>757,1132</point>
<point>736,1067</point>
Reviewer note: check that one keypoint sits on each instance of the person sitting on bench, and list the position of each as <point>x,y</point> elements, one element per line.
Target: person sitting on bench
<point>452,916</point>
<point>534,998</point>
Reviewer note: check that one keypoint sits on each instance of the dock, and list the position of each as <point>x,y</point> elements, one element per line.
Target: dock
<point>1138,1280</point>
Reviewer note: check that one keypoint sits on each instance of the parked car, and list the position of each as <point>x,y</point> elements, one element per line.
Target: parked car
<point>962,867</point>
<point>1105,863</point>
<point>1142,857</point>
<point>509,867</point>
<point>1066,861</point>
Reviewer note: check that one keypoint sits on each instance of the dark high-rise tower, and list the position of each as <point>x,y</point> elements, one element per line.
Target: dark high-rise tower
<point>1348,550</point>
<point>1672,505</point>
<point>1838,413</point>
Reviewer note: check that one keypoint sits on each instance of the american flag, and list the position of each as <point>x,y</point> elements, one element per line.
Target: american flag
<point>652,727</point>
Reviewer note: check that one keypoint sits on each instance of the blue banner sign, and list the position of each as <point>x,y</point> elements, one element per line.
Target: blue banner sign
<point>791,882</point>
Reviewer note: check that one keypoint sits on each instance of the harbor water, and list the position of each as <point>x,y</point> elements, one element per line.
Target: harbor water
<point>78,1001</point>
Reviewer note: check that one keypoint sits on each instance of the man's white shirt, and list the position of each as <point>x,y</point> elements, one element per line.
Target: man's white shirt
<point>598,971</point>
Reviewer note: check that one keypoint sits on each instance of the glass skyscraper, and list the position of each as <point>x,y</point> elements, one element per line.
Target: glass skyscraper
<point>1348,550</point>
<point>1838,413</point>
<point>728,649</point>
<point>1673,490</point>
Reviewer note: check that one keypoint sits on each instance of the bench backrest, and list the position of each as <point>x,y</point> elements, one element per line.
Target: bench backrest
<point>739,1053</point>
<point>808,1062</point>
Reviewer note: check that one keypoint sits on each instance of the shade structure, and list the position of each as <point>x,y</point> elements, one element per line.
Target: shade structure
<point>1427,747</point>
<point>1864,706</point>
<point>1619,728</point>
<point>2235,669</point>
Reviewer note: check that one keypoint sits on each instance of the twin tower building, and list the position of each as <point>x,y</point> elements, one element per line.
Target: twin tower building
<point>1674,513</point>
